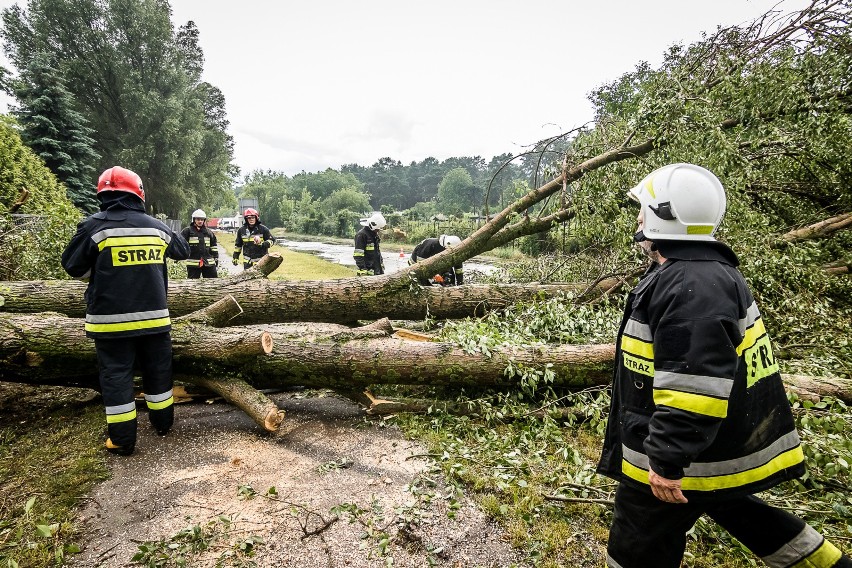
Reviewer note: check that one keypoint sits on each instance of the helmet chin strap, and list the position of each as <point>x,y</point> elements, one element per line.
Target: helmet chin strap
<point>640,237</point>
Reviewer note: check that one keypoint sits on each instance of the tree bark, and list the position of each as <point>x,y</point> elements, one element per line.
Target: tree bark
<point>838,267</point>
<point>818,230</point>
<point>52,349</point>
<point>345,300</point>
<point>257,405</point>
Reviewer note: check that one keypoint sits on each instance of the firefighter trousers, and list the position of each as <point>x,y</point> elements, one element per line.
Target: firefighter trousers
<point>116,359</point>
<point>649,533</point>
<point>193,272</point>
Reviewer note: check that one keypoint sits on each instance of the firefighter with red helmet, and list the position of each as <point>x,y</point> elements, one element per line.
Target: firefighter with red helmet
<point>203,252</point>
<point>121,252</point>
<point>253,239</point>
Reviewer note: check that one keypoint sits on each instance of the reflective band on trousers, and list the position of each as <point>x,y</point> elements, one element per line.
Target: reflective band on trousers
<point>612,563</point>
<point>785,452</point>
<point>159,401</point>
<point>121,413</point>
<point>128,321</point>
<point>806,550</point>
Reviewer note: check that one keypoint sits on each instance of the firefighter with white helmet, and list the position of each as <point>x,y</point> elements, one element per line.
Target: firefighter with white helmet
<point>430,247</point>
<point>368,256</point>
<point>203,251</point>
<point>253,239</point>
<point>700,420</point>
<point>121,252</point>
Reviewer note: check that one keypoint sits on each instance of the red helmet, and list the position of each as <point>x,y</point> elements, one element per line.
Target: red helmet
<point>120,179</point>
<point>251,213</point>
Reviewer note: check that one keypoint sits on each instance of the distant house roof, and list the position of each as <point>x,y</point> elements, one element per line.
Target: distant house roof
<point>439,217</point>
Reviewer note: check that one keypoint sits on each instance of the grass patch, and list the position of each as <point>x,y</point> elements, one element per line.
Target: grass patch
<point>295,265</point>
<point>306,266</point>
<point>48,461</point>
<point>509,465</point>
<point>510,462</point>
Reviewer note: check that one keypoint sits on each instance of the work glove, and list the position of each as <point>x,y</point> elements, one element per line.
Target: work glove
<point>365,273</point>
<point>257,240</point>
<point>438,279</point>
<point>234,261</point>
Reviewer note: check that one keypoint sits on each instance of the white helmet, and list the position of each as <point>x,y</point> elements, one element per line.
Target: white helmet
<point>682,202</point>
<point>199,214</point>
<point>447,241</point>
<point>376,221</point>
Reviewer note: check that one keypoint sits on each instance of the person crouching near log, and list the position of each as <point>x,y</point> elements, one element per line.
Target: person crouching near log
<point>203,253</point>
<point>700,421</point>
<point>253,239</point>
<point>367,254</point>
<point>121,252</point>
<point>429,248</point>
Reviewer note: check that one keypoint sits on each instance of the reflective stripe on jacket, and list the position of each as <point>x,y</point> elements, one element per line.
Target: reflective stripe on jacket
<point>697,394</point>
<point>122,252</point>
<point>367,254</point>
<point>202,246</point>
<point>245,242</point>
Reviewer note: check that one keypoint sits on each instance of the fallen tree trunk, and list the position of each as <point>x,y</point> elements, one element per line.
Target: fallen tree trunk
<point>838,266</point>
<point>257,405</point>
<point>51,349</point>
<point>819,230</point>
<point>345,300</point>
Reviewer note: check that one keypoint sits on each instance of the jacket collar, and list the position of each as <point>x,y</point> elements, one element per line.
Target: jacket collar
<point>110,200</point>
<point>697,250</point>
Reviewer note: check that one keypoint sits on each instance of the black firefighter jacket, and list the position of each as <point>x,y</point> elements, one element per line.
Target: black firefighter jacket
<point>202,246</point>
<point>429,248</point>
<point>122,253</point>
<point>245,241</point>
<point>367,254</point>
<point>697,395</point>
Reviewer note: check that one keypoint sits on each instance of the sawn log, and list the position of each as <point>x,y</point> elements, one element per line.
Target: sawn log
<point>345,300</point>
<point>51,349</point>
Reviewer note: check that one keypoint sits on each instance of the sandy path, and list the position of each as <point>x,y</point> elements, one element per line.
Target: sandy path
<point>325,455</point>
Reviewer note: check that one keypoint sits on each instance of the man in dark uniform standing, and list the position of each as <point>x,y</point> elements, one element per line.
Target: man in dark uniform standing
<point>367,254</point>
<point>700,421</point>
<point>253,239</point>
<point>203,252</point>
<point>122,253</point>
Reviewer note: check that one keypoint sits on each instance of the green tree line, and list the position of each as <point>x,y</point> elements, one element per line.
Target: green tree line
<point>107,82</point>
<point>330,202</point>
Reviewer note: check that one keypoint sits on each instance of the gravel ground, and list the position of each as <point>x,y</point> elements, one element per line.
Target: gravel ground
<point>325,455</point>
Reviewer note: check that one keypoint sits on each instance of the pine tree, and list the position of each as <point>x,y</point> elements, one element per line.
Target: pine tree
<point>56,131</point>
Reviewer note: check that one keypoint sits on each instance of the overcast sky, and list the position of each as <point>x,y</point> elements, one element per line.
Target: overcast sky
<point>317,84</point>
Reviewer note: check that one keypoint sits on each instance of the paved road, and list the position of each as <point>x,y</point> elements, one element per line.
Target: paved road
<point>395,259</point>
